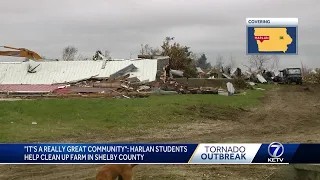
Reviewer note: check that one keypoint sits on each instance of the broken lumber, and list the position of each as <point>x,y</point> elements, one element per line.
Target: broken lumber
<point>108,85</point>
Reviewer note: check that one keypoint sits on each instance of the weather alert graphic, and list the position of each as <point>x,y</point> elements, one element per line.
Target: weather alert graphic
<point>272,35</point>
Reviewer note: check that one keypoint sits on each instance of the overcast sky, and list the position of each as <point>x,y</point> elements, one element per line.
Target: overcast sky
<point>209,26</point>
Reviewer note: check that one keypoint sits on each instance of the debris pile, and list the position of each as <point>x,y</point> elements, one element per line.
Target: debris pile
<point>99,77</point>
<point>312,77</point>
<point>142,77</point>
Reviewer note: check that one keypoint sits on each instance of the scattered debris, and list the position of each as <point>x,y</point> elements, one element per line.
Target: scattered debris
<point>158,91</point>
<point>312,77</point>
<point>223,93</point>
<point>143,88</point>
<point>176,73</point>
<point>261,78</point>
<point>132,78</point>
<point>244,93</point>
<point>126,96</point>
<point>108,85</point>
<point>226,76</point>
<point>230,88</point>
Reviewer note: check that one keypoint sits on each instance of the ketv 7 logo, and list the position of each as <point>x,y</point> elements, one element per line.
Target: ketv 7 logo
<point>275,150</point>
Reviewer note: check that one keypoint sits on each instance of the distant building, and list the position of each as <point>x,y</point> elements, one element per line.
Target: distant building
<point>200,72</point>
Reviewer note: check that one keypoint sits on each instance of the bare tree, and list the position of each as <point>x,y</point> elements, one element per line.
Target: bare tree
<point>305,70</point>
<point>219,62</point>
<point>194,57</point>
<point>144,49</point>
<point>259,61</point>
<point>232,63</point>
<point>80,57</point>
<point>148,50</point>
<point>107,54</point>
<point>264,62</point>
<point>83,58</point>
<point>69,53</point>
<point>274,62</point>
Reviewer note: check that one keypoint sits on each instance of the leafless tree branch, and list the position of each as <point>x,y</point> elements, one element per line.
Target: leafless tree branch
<point>219,62</point>
<point>260,62</point>
<point>69,53</point>
<point>275,60</point>
<point>231,64</point>
<point>148,50</point>
<point>107,54</point>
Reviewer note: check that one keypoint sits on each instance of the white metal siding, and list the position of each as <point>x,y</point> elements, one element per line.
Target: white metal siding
<point>69,71</point>
<point>147,69</point>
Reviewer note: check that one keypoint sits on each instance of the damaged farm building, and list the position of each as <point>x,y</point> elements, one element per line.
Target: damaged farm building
<point>116,78</point>
<point>74,77</point>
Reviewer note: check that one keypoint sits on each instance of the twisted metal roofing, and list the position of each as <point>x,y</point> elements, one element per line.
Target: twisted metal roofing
<point>55,72</point>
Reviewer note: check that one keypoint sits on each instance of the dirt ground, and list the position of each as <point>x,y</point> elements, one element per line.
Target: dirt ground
<point>288,114</point>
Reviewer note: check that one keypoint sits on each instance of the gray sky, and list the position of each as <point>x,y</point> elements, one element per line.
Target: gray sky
<point>209,26</point>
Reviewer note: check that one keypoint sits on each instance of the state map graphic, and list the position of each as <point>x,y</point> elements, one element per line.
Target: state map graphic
<point>271,40</point>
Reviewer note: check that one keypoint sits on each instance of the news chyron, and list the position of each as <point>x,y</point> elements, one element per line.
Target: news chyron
<point>203,153</point>
<point>277,36</point>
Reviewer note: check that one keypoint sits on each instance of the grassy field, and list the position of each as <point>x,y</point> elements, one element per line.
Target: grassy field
<point>165,119</point>
<point>60,118</point>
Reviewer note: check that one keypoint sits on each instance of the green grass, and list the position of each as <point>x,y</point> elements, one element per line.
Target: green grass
<point>267,86</point>
<point>60,118</point>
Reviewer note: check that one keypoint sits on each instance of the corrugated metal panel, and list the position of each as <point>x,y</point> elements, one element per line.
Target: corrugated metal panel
<point>48,72</point>
<point>147,68</point>
<point>69,71</point>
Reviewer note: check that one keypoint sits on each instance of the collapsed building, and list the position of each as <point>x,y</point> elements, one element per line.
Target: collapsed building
<point>110,78</point>
<point>47,76</point>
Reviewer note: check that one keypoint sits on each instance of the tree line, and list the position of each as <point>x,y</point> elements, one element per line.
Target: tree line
<point>184,59</point>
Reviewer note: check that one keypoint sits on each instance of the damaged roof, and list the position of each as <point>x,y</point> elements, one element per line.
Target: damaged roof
<point>146,68</point>
<point>47,72</point>
<point>56,72</point>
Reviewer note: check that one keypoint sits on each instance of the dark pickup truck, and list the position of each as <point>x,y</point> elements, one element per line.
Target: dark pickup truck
<point>290,75</point>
